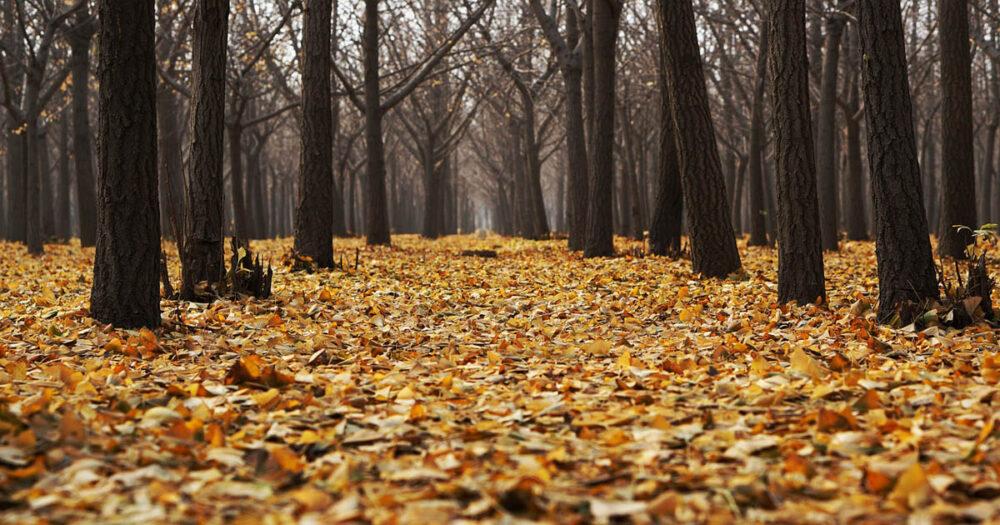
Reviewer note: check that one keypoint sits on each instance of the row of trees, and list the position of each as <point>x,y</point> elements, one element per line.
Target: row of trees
<point>323,118</point>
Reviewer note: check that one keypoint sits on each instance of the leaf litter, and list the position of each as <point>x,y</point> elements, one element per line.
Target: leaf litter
<point>425,386</point>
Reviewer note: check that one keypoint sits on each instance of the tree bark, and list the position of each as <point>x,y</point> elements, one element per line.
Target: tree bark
<point>202,259</point>
<point>713,244</point>
<point>170,165</point>
<point>314,210</point>
<point>757,198</point>
<point>958,181</point>
<point>665,230</point>
<point>902,245</point>
<point>826,137</point>
<point>86,201</point>
<point>600,234</point>
<point>855,214</point>
<point>376,214</point>
<point>126,289</point>
<point>800,249</point>
<point>63,223</point>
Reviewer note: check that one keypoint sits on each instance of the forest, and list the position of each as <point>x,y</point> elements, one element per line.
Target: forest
<point>499,261</point>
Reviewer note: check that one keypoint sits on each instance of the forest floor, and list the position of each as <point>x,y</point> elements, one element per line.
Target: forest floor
<point>424,386</point>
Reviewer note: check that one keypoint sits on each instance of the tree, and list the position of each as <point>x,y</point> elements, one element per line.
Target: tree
<point>665,230</point>
<point>25,97</point>
<point>314,211</point>
<point>202,257</point>
<point>80,35</point>
<point>826,128</point>
<point>758,207</point>
<point>126,289</point>
<point>800,250</point>
<point>713,244</point>
<point>568,54</point>
<point>604,26</point>
<point>958,181</point>
<point>902,244</point>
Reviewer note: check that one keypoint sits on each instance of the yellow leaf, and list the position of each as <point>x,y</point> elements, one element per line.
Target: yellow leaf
<point>264,399</point>
<point>804,364</point>
<point>598,347</point>
<point>912,489</point>
<point>625,360</point>
<point>405,393</point>
<point>287,459</point>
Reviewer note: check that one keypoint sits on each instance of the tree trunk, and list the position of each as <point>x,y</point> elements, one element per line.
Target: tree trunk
<point>203,259</point>
<point>235,131</point>
<point>800,249</point>
<point>63,226</point>
<point>989,174</point>
<point>958,181</point>
<point>713,245</point>
<point>32,171</point>
<point>758,200</point>
<point>856,215</point>
<point>47,200</point>
<point>600,236</point>
<point>170,165</point>
<point>902,245</point>
<point>576,141</point>
<point>826,139</point>
<point>83,164</point>
<point>376,215</point>
<point>126,289</point>
<point>314,210</point>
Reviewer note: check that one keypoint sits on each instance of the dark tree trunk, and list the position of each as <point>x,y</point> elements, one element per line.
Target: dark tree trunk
<point>86,201</point>
<point>314,210</point>
<point>47,200</point>
<point>713,245</point>
<point>235,131</point>
<point>170,165</point>
<point>15,171</point>
<point>338,227</point>
<point>63,223</point>
<point>800,250</point>
<point>32,171</point>
<point>826,138</point>
<point>376,214</point>
<point>758,200</point>
<point>958,181</point>
<point>902,245</point>
<point>665,230</point>
<point>600,236</point>
<point>203,259</point>
<point>126,289</point>
<point>576,140</point>
<point>856,216</point>
<point>989,174</point>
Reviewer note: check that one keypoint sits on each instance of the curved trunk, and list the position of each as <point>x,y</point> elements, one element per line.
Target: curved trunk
<point>713,245</point>
<point>902,245</point>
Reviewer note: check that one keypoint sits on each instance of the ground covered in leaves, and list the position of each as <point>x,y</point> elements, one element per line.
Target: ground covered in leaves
<point>418,385</point>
